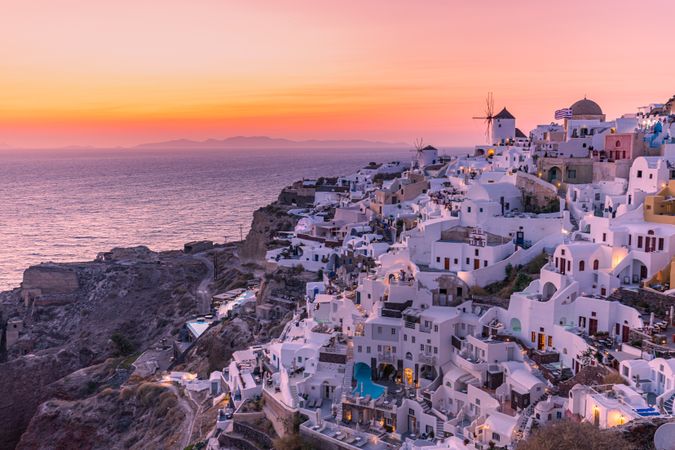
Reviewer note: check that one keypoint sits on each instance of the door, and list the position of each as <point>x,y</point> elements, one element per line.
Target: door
<point>592,326</point>
<point>625,331</point>
<point>563,265</point>
<point>596,417</point>
<point>476,264</point>
<point>540,341</point>
<point>412,424</point>
<point>447,263</point>
<point>643,272</point>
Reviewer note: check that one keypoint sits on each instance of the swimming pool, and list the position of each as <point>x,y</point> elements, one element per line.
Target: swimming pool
<point>364,384</point>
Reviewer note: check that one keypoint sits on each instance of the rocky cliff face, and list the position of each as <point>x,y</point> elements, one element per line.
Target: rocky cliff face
<point>138,299</point>
<point>139,416</point>
<point>266,223</point>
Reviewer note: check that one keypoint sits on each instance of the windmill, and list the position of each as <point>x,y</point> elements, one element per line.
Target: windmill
<point>418,145</point>
<point>489,115</point>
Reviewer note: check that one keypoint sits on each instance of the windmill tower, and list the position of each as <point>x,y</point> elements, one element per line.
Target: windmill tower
<point>500,127</point>
<point>425,155</point>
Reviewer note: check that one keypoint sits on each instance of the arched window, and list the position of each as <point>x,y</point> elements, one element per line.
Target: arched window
<point>582,266</point>
<point>618,143</point>
<point>596,264</point>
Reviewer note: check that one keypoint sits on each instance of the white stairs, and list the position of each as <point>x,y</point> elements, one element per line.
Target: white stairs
<point>668,404</point>
<point>346,387</point>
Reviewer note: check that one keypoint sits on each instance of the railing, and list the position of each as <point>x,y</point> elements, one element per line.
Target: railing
<point>386,357</point>
<point>427,359</point>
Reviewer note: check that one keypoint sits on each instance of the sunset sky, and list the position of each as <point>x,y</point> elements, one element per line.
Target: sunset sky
<point>123,72</point>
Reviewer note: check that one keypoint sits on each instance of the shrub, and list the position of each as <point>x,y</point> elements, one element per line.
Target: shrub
<point>123,346</point>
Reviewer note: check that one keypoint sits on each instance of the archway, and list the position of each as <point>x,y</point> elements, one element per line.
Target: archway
<point>554,174</point>
<point>515,325</point>
<point>548,290</point>
<point>639,271</point>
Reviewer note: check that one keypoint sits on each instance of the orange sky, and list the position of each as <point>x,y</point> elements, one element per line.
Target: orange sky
<point>77,72</point>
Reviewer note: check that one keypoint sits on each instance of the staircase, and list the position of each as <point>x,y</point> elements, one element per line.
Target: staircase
<point>426,405</point>
<point>439,433</point>
<point>346,387</point>
<point>668,405</point>
<point>294,395</point>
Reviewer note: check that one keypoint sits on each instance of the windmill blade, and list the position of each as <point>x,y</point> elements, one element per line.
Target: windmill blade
<point>491,105</point>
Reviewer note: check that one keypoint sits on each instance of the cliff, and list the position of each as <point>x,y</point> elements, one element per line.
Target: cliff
<point>120,304</point>
<point>267,221</point>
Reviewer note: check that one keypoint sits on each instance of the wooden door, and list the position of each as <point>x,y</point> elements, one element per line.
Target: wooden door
<point>592,326</point>
<point>476,264</point>
<point>563,265</point>
<point>447,264</point>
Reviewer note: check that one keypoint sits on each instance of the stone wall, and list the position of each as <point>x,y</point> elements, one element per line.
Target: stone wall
<point>540,192</point>
<point>49,281</point>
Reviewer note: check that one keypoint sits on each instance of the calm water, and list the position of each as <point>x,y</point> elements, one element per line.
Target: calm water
<point>68,206</point>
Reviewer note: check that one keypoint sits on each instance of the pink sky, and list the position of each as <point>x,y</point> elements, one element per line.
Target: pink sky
<point>76,72</point>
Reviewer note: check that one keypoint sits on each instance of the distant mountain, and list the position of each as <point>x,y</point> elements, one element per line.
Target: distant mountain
<point>239,142</point>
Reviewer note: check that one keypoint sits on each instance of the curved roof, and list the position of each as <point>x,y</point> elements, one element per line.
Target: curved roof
<point>492,191</point>
<point>526,379</point>
<point>586,107</point>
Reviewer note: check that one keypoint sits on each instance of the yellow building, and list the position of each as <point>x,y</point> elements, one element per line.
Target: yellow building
<point>660,207</point>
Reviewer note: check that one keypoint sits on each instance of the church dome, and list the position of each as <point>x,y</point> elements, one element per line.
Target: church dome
<point>586,107</point>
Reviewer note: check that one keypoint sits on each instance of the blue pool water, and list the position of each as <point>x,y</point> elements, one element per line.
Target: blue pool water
<point>364,384</point>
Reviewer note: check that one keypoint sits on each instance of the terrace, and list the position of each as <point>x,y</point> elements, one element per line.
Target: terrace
<point>342,437</point>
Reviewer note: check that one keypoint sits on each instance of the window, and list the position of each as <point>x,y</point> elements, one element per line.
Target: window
<point>468,209</point>
<point>438,259</point>
<point>393,331</point>
<point>359,349</point>
<point>413,339</point>
<point>379,348</point>
<point>421,347</point>
<point>639,241</point>
<point>435,328</point>
<point>596,264</point>
<point>435,350</point>
<point>651,175</point>
<point>495,436</point>
<point>467,260</point>
<point>582,266</point>
<point>533,337</point>
<point>456,261</point>
<point>299,359</point>
<point>379,330</point>
<point>630,238</point>
<point>368,349</point>
<point>550,341</point>
<point>604,237</point>
<point>475,252</point>
<point>639,174</point>
<point>660,243</point>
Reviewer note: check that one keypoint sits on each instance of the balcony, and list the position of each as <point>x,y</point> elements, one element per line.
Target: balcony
<point>386,358</point>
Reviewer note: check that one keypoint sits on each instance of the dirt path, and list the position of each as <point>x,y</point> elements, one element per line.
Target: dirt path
<point>203,288</point>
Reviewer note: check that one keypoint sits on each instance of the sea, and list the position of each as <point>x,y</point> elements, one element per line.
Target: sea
<point>69,205</point>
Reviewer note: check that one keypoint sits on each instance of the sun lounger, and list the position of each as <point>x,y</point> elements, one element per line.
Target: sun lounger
<point>361,443</point>
<point>318,403</point>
